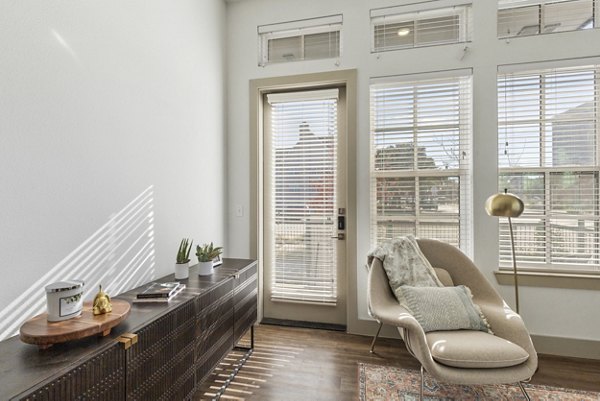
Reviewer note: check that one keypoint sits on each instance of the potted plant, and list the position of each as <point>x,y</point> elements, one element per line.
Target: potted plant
<point>206,253</point>
<point>183,258</point>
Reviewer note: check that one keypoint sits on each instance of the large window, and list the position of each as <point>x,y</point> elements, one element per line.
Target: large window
<point>548,155</point>
<point>405,27</point>
<point>421,157</point>
<point>533,17</point>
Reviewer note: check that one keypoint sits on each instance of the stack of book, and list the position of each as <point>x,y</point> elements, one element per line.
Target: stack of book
<point>159,292</point>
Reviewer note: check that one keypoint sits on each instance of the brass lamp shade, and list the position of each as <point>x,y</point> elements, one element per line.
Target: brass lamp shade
<point>507,205</point>
<point>504,205</point>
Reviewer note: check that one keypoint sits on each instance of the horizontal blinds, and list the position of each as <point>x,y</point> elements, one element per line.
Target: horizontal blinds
<point>548,156</point>
<point>318,38</point>
<point>303,216</point>
<point>421,28</point>
<point>421,159</point>
<point>526,17</point>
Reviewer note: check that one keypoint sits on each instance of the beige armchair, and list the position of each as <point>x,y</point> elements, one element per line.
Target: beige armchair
<point>462,356</point>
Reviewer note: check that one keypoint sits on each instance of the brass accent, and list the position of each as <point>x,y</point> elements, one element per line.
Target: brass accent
<point>131,336</point>
<point>102,303</point>
<point>128,339</point>
<point>504,205</point>
<point>125,341</point>
<point>507,205</point>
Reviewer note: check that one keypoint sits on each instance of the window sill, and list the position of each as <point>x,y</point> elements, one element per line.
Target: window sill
<point>550,280</point>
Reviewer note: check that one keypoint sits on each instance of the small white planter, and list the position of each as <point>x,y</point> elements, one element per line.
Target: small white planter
<point>64,300</point>
<point>205,268</point>
<point>182,271</point>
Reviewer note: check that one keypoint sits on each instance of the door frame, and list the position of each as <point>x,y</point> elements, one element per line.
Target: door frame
<point>259,88</point>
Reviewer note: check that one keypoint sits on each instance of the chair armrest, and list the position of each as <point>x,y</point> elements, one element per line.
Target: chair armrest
<point>507,324</point>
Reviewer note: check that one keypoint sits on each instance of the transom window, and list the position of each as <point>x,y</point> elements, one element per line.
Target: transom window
<point>527,17</point>
<point>310,39</point>
<point>403,27</point>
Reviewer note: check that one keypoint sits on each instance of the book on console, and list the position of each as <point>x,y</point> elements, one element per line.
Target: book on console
<point>160,299</point>
<point>160,290</point>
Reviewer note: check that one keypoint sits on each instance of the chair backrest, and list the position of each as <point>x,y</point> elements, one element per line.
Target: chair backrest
<point>461,269</point>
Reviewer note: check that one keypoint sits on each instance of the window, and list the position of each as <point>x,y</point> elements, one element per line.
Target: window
<point>316,38</point>
<point>421,157</point>
<point>548,156</point>
<point>527,17</point>
<point>399,28</point>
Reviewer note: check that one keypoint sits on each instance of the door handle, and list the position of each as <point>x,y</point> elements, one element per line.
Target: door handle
<point>340,236</point>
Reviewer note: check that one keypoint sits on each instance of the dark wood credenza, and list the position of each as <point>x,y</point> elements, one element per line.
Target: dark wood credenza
<point>179,344</point>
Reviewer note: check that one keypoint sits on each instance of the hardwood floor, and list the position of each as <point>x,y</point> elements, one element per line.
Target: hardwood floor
<point>309,364</point>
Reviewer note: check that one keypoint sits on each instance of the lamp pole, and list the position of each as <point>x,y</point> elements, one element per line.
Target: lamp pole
<point>514,260</point>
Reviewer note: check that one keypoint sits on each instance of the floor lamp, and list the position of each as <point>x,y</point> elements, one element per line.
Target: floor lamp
<point>507,205</point>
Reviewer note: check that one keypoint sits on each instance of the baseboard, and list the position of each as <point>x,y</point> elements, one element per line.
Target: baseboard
<point>562,346</point>
<point>369,328</point>
<point>309,325</point>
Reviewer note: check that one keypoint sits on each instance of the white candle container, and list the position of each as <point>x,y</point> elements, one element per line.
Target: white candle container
<point>64,300</point>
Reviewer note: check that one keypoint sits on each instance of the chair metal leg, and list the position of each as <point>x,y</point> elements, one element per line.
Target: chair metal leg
<point>375,338</point>
<point>523,391</point>
<point>422,384</point>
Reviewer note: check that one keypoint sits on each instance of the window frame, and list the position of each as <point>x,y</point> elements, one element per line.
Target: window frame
<point>463,172</point>
<point>548,214</point>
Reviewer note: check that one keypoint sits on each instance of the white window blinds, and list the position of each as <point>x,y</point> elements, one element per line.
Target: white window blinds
<point>421,158</point>
<point>548,155</point>
<point>303,173</point>
<point>527,17</point>
<point>316,38</point>
<point>393,29</point>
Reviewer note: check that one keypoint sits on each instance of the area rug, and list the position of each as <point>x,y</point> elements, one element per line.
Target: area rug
<point>386,383</point>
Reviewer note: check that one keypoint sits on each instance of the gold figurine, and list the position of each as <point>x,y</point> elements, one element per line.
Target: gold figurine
<point>102,303</point>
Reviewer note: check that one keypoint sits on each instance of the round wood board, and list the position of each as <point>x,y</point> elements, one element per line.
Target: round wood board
<point>39,331</point>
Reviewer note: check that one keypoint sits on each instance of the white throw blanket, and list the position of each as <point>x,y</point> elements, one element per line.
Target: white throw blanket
<point>405,264</point>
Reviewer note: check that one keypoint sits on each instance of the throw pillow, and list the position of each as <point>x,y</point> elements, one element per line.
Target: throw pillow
<point>444,308</point>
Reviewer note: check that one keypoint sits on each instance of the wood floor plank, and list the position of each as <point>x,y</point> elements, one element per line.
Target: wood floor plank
<point>291,363</point>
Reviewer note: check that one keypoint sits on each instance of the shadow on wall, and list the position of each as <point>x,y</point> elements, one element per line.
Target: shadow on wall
<point>120,256</point>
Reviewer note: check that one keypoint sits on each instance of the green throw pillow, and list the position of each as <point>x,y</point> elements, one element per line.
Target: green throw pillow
<point>444,308</point>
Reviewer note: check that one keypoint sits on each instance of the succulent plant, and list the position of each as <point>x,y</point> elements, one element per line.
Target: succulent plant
<point>208,252</point>
<point>183,253</point>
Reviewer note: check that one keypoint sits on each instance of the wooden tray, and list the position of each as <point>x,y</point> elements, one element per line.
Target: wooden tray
<point>39,331</point>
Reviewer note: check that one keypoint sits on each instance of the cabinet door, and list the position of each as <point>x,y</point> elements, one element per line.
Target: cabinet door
<point>100,378</point>
<point>245,301</point>
<point>214,328</point>
<point>161,365</point>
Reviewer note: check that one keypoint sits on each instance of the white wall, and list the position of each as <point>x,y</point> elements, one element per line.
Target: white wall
<point>99,102</point>
<point>550,312</point>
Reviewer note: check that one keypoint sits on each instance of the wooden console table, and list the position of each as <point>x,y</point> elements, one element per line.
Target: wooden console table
<point>178,345</point>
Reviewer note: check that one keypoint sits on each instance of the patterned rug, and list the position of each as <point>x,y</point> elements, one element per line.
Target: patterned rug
<point>386,383</point>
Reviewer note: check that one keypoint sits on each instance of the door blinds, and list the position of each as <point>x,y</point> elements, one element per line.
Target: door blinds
<point>548,155</point>
<point>421,158</point>
<point>303,166</point>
